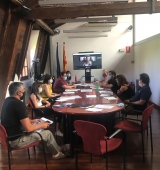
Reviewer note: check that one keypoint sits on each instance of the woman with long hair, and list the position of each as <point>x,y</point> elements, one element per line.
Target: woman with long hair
<point>104,81</point>
<point>44,105</point>
<point>125,91</point>
<point>47,92</point>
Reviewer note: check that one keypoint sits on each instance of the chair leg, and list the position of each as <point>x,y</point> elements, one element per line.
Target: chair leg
<point>124,150</point>
<point>34,149</point>
<point>143,146</point>
<point>150,122</point>
<point>9,160</point>
<point>147,131</point>
<point>91,158</point>
<point>106,156</point>
<point>28,153</point>
<point>44,155</point>
<point>76,151</point>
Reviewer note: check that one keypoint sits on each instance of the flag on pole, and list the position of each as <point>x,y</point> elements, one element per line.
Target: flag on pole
<point>64,58</point>
<point>58,64</point>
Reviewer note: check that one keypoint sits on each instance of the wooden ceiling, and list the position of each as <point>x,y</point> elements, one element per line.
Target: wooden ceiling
<point>48,14</point>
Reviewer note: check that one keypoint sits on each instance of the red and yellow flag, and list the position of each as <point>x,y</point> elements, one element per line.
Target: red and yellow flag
<point>64,58</point>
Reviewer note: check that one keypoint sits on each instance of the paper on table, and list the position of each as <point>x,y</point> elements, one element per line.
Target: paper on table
<point>103,95</point>
<point>94,109</point>
<point>91,96</point>
<point>86,90</point>
<point>84,85</point>
<point>110,98</point>
<point>64,99</point>
<point>68,97</point>
<point>103,106</point>
<point>69,92</point>
<point>100,88</point>
<point>106,92</point>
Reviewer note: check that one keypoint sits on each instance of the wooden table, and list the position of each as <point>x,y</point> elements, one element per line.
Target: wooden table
<point>105,117</point>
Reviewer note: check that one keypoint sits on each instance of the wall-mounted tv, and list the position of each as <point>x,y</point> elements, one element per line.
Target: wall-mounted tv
<point>82,61</point>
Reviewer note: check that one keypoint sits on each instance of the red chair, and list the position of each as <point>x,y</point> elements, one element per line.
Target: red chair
<point>5,142</point>
<point>132,126</point>
<point>94,139</point>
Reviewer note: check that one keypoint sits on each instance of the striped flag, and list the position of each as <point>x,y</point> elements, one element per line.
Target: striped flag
<point>58,64</point>
<point>64,58</point>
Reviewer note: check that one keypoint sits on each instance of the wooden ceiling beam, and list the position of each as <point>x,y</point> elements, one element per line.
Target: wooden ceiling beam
<point>31,4</point>
<point>93,10</point>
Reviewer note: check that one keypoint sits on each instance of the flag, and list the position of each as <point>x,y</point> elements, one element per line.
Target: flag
<point>64,58</point>
<point>58,64</point>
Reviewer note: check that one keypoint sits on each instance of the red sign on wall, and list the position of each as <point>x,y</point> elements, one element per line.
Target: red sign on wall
<point>128,48</point>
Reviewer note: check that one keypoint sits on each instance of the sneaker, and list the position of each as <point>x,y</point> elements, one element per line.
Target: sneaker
<point>59,156</point>
<point>66,148</point>
<point>59,133</point>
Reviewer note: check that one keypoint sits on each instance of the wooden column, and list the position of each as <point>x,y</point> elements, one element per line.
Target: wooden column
<point>12,35</point>
<point>40,48</point>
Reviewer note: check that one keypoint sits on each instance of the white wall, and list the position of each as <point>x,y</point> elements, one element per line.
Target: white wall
<point>147,60</point>
<point>118,38</point>
<point>146,25</point>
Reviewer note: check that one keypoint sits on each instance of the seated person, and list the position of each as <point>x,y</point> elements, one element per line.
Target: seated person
<point>60,84</point>
<point>86,62</point>
<point>140,99</point>
<point>125,91</point>
<point>104,81</point>
<point>15,119</point>
<point>68,76</point>
<point>112,84</point>
<point>44,105</point>
<point>47,93</point>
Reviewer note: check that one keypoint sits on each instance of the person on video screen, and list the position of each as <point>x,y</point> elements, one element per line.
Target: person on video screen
<point>86,62</point>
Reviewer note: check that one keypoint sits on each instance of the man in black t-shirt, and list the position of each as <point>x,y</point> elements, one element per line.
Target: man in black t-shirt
<point>15,120</point>
<point>112,84</point>
<point>140,99</point>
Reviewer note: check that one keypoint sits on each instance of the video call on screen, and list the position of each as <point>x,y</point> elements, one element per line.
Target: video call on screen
<point>92,61</point>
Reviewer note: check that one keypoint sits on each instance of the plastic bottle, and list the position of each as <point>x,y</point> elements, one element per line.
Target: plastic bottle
<point>97,87</point>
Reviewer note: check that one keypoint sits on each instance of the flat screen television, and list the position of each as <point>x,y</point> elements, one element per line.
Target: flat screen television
<point>83,61</point>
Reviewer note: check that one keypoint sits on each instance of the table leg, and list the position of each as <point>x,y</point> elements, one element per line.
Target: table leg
<point>71,135</point>
<point>64,129</point>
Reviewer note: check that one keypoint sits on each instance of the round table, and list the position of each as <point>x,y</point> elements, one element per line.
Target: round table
<point>105,117</point>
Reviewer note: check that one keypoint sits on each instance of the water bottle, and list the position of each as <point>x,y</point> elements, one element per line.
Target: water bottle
<point>97,87</point>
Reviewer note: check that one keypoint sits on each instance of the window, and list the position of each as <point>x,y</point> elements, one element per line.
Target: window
<point>25,70</point>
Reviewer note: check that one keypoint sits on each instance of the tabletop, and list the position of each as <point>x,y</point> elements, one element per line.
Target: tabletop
<point>88,98</point>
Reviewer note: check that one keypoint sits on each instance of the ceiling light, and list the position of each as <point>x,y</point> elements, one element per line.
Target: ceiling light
<point>87,36</point>
<point>100,19</point>
<point>86,30</point>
